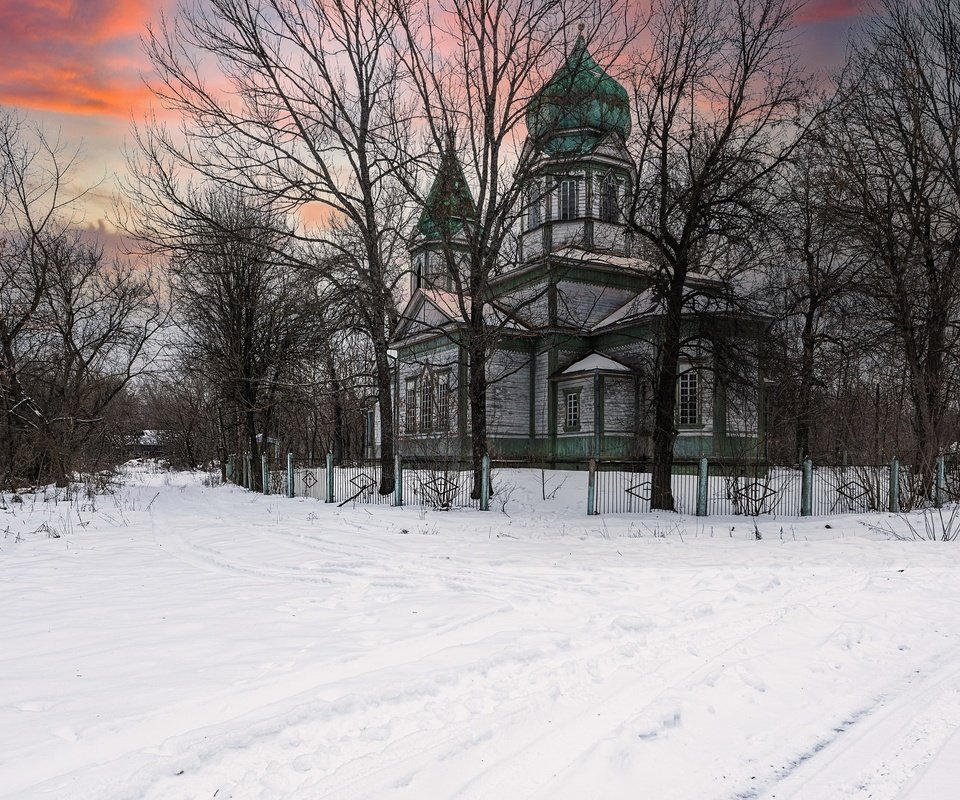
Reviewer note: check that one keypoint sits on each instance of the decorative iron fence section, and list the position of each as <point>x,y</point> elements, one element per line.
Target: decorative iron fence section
<point>624,487</point>
<point>439,485</point>
<point>359,482</point>
<point>756,489</point>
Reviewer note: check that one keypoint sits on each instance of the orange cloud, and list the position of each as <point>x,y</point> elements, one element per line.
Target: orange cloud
<point>74,56</point>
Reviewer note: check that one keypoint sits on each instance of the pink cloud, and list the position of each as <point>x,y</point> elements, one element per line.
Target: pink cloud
<point>77,56</point>
<point>830,10</point>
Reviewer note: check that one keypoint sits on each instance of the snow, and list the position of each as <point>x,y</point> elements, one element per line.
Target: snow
<point>177,641</point>
<point>596,361</point>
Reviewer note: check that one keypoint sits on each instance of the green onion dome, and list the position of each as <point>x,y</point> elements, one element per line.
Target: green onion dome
<point>579,105</point>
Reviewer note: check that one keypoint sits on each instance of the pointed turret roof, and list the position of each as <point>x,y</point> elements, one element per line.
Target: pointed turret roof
<point>579,105</point>
<point>449,202</point>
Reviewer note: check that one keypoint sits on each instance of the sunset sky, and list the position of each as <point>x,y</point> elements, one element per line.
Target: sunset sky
<point>77,66</point>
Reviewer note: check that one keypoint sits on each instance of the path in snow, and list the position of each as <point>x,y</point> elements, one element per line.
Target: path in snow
<point>222,644</point>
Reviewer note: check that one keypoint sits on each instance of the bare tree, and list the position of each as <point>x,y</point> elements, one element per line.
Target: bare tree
<point>74,329</point>
<point>896,179</point>
<point>812,279</point>
<point>313,120</point>
<point>716,92</point>
<point>245,309</point>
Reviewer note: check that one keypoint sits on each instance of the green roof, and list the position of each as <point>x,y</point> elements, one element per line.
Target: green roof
<point>579,105</point>
<point>449,202</point>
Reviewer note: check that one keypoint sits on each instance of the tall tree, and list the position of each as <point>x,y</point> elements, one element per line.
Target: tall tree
<point>311,117</point>
<point>74,327</point>
<point>716,92</point>
<point>246,310</point>
<point>895,143</point>
<point>812,279</point>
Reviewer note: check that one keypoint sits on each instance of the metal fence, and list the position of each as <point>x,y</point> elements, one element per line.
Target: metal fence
<point>706,488</point>
<point>441,485</point>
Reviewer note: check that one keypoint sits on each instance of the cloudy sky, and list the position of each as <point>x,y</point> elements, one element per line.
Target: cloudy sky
<point>77,66</point>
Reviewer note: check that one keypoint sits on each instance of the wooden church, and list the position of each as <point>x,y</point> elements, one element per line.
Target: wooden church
<point>575,319</point>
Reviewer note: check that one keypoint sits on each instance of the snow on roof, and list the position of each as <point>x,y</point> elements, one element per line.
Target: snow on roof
<point>607,259</point>
<point>596,361</point>
<point>622,262</point>
<point>636,306</point>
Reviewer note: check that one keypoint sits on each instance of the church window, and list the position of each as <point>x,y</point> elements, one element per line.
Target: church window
<point>410,410</point>
<point>688,398</point>
<point>426,402</point>
<point>609,212</point>
<point>571,418</point>
<point>418,273</point>
<point>569,198</point>
<point>443,402</point>
<point>533,206</point>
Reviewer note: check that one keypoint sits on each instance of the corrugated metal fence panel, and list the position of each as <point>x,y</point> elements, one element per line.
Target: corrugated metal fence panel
<point>310,482</point>
<point>359,482</point>
<point>752,489</point>
<point>440,486</point>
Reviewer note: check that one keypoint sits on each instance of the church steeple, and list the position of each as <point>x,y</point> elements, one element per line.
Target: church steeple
<point>449,207</point>
<point>578,124</point>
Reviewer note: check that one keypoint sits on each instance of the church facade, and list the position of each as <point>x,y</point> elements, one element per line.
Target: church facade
<point>575,323</point>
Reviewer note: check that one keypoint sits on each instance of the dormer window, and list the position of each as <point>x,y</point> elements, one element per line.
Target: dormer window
<point>569,198</point>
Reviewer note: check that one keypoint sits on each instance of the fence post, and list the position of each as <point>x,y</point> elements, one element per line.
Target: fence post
<point>485,483</point>
<point>397,480</point>
<point>329,477</point>
<point>940,485</point>
<point>592,488</point>
<point>248,471</point>
<point>228,475</point>
<point>290,475</point>
<point>894,495</point>
<point>265,472</point>
<point>806,488</point>
<point>702,478</point>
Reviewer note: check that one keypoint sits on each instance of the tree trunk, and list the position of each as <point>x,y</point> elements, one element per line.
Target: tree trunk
<point>477,396</point>
<point>385,399</point>
<point>665,400</point>
<point>804,393</point>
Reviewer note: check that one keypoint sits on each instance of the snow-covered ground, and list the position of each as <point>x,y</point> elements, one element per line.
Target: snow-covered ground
<point>187,642</point>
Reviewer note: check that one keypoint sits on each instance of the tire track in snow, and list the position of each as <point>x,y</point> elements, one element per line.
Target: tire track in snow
<point>855,758</point>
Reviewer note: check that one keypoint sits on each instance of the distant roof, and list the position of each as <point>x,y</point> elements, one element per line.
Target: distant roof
<point>596,361</point>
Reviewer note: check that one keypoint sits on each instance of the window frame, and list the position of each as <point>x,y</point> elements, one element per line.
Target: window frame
<point>410,406</point>
<point>609,200</point>
<point>684,392</point>
<point>568,199</point>
<point>568,396</point>
<point>443,392</point>
<point>426,402</point>
<point>533,206</point>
